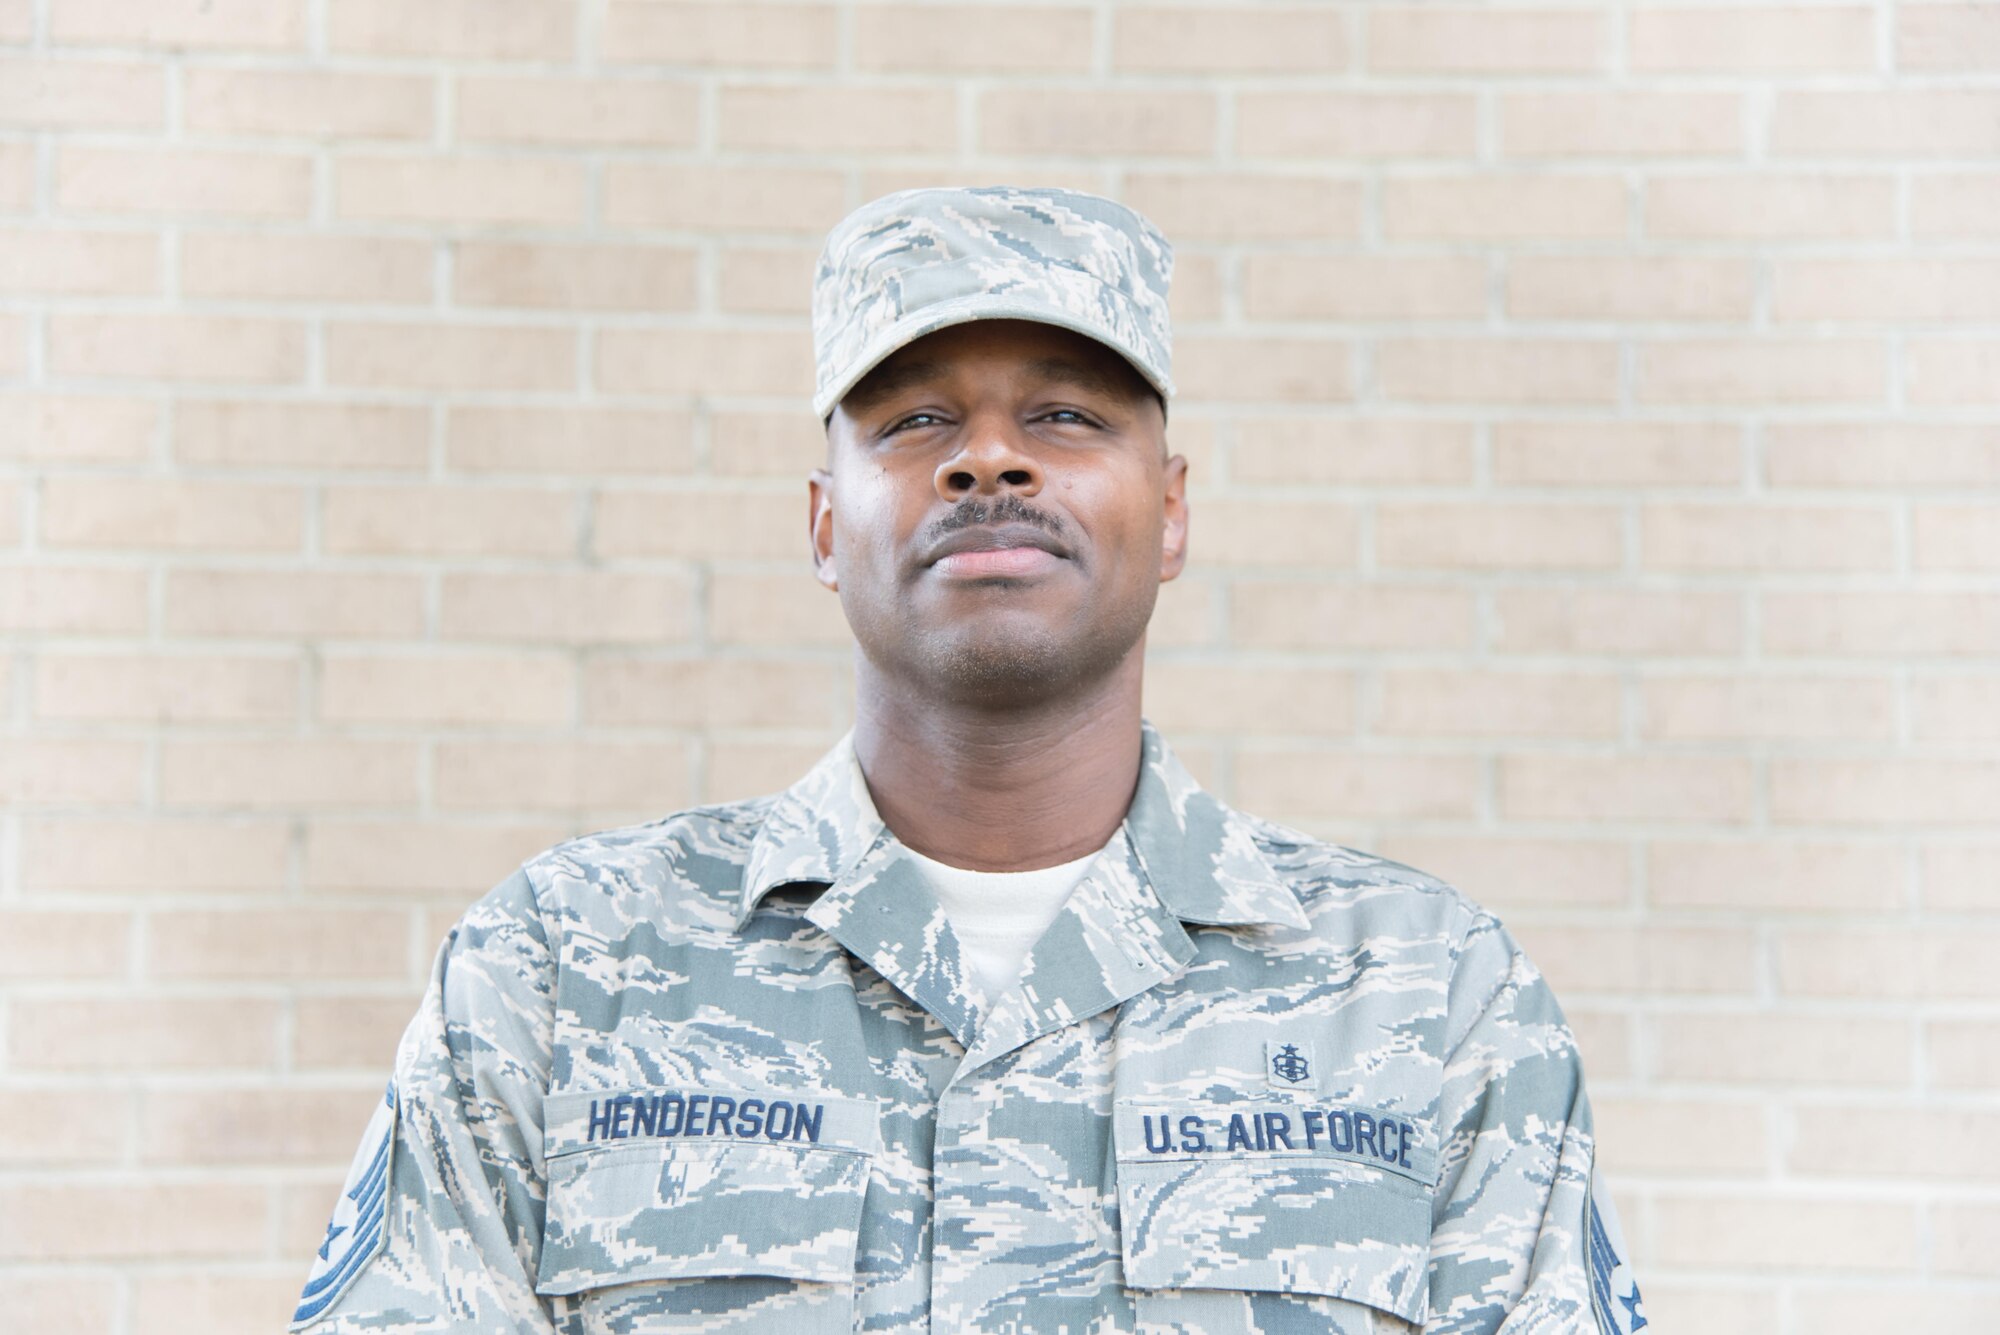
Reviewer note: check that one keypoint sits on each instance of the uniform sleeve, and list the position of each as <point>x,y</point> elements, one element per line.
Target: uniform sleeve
<point>1524,1240</point>
<point>439,1224</point>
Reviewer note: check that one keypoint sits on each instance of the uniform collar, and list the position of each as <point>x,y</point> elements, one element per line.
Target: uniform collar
<point>1196,852</point>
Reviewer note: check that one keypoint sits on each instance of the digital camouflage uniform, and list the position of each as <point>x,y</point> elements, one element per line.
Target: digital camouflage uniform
<point>722,1071</point>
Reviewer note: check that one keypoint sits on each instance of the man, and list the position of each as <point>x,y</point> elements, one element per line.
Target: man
<point>995,1021</point>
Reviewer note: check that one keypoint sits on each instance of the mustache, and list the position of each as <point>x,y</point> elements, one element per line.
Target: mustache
<point>1008,509</point>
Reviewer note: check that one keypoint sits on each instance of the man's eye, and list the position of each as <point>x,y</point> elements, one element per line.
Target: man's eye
<point>911,418</point>
<point>1071,412</point>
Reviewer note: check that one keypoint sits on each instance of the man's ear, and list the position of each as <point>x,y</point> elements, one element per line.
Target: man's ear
<point>1174,534</point>
<point>819,526</point>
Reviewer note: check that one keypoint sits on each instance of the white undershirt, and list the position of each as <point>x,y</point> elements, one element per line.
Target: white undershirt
<point>998,915</point>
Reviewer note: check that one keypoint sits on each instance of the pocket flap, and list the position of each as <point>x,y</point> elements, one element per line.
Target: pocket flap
<point>680,1183</point>
<point>1278,1197</point>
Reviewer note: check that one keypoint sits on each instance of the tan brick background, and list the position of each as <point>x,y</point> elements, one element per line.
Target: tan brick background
<point>1595,415</point>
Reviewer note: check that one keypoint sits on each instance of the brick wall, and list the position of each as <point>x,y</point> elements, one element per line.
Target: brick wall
<point>1595,415</point>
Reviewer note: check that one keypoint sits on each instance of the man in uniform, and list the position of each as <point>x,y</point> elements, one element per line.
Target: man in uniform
<point>995,1021</point>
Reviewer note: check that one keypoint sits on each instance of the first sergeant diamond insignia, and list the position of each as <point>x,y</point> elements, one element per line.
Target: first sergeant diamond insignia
<point>1289,1064</point>
<point>358,1228</point>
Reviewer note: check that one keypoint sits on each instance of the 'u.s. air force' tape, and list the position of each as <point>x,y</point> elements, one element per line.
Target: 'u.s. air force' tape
<point>355,1234</point>
<point>1614,1293</point>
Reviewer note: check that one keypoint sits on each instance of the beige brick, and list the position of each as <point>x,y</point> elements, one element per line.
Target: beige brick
<point>1654,960</point>
<point>1775,875</point>
<point>190,182</point>
<point>629,112</point>
<point>306,268</point>
<point>1771,205</point>
<point>297,772</point>
<point>445,690</point>
<point>1451,40</point>
<point>1886,291</point>
<point>1244,206</point>
<point>1587,453</point>
<point>568,608</point>
<point>59,94</point>
<point>78,262</point>
<point>1870,624</point>
<point>716,692</point>
<point>12,496</point>
<point>239,1127</point>
<point>1618,621</point>
<point>706,524</point>
<point>831,118</point>
<point>1885,791</point>
<point>293,604</point>
<point>521,191</point>
<point>1756,1232</point>
<point>134,1219</point>
<point>306,103</point>
<point>1365,451</point>
<point>764,444</point>
<point>1960,876</point>
<point>39,1127</point>
<point>292,944</point>
<point>1884,963</point>
<point>538,30</point>
<point>1955,709</point>
<point>1957,37</point>
<point>1952,372</point>
<point>1955,537</point>
<point>1766,537</point>
<point>1893,454</point>
<point>1242,39</point>
<point>351,1031</point>
<point>1496,208</point>
<point>265,433</point>
<point>224,1303</point>
<point>1513,370</point>
<point>774,280</point>
<point>177,347</point>
<point>791,611</point>
<point>1963,1054</point>
<point>1765,39</point>
<point>1294,124</point>
<point>1745,1307</point>
<point>1651,788</point>
<point>165,512</point>
<point>17,177</point>
<point>1895,124</point>
<point>1487,535</point>
<point>1846,1309</point>
<point>72,601</point>
<point>601,277</point>
<point>1297,614</point>
<point>404,355</point>
<point>1738,708</point>
<point>562,776</point>
<point>77,428</point>
<point>267,25</point>
<point>146,855</point>
<point>699,197</point>
<point>446,520</point>
<point>1507,873</point>
<point>1762,1048</point>
<point>1426,702</point>
<point>1095,120</point>
<point>1650,1135</point>
<point>14,335</point>
<point>707,34</point>
<point>1298,784</point>
<point>1293,287</point>
<point>1600,124</point>
<point>142,1033</point>
<point>1605,1040</point>
<point>925,39</point>
<point>1195,697</point>
<point>704,362</point>
<point>740,769</point>
<point>68,947</point>
<point>1590,287</point>
<point>1243,532</point>
<point>165,689</point>
<point>573,440</point>
<point>60,773</point>
<point>418,857</point>
<point>1763,371</point>
<point>1950,205</point>
<point>1262,370</point>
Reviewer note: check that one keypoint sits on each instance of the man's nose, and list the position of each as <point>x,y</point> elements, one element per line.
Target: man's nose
<point>992,457</point>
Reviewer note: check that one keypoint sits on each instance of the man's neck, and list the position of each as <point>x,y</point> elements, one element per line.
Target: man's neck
<point>1011,790</point>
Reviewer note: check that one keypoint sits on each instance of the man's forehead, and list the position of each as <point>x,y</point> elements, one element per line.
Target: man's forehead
<point>933,358</point>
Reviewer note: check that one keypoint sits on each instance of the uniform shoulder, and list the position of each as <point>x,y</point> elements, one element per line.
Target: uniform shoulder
<point>1328,875</point>
<point>697,853</point>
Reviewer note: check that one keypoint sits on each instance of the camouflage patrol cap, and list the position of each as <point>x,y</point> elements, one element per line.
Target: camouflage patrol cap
<point>906,264</point>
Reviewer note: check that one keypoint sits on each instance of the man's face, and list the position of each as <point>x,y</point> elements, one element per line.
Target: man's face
<point>998,511</point>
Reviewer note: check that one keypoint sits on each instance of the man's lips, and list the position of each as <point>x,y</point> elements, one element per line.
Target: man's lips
<point>1002,549</point>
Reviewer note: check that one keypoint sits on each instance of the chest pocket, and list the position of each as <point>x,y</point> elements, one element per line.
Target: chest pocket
<point>1266,1215</point>
<point>671,1210</point>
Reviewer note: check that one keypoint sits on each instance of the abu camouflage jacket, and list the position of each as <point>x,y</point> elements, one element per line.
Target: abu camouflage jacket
<point>722,1071</point>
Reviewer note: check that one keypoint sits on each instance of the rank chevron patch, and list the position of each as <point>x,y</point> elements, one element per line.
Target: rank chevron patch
<point>356,1232</point>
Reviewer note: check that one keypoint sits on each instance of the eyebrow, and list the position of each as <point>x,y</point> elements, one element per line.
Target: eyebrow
<point>886,381</point>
